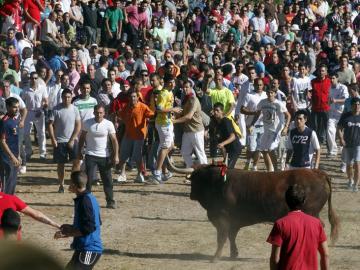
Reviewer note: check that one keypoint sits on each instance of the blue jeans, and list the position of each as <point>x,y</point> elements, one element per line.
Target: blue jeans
<point>8,176</point>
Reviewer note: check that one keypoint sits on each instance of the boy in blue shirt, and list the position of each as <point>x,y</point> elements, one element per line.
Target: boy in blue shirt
<point>86,226</point>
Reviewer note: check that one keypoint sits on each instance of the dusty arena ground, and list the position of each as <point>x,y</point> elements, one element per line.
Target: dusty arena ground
<point>159,227</point>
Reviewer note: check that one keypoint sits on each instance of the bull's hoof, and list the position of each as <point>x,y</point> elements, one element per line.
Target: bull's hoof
<point>234,254</point>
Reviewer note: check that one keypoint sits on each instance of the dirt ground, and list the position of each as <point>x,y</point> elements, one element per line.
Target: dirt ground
<point>159,227</point>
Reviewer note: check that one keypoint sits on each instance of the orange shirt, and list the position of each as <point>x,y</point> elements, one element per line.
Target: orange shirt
<point>135,119</point>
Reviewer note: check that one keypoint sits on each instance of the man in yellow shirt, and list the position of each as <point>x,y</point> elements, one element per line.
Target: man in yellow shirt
<point>162,104</point>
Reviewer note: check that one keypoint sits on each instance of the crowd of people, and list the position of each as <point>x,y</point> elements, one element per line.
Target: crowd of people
<point>117,84</point>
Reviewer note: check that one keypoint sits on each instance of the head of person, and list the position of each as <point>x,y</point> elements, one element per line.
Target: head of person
<point>218,110</point>
<point>85,88</point>
<point>334,78</point>
<point>12,106</point>
<point>5,86</point>
<point>66,97</point>
<point>112,75</point>
<point>271,93</point>
<point>344,61</point>
<point>34,80</point>
<point>295,197</point>
<point>259,85</point>
<point>4,64</point>
<point>103,61</point>
<point>323,71</point>
<point>219,80</point>
<point>26,53</point>
<point>354,90</point>
<point>99,113</point>
<point>355,105</point>
<point>134,98</point>
<point>10,223</point>
<point>302,70</point>
<point>275,84</point>
<point>65,80</point>
<point>188,88</point>
<point>106,85</point>
<point>78,180</point>
<point>169,81</point>
<point>301,117</point>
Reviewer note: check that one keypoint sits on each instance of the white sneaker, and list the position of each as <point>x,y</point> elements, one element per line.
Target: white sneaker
<point>167,176</point>
<point>355,188</point>
<point>350,184</point>
<point>154,179</point>
<point>121,179</point>
<point>139,178</point>
<point>22,170</point>
<point>343,167</point>
<point>254,168</point>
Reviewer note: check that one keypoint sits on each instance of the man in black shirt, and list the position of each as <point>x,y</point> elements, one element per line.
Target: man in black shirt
<point>228,141</point>
<point>349,135</point>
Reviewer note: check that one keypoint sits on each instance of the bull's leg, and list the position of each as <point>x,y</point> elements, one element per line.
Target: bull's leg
<point>222,228</point>
<point>232,238</point>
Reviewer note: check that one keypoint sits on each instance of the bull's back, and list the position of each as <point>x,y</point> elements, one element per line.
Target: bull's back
<point>260,196</point>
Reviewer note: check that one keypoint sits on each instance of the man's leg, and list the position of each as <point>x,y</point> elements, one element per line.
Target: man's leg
<point>356,175</point>
<point>27,131</point>
<point>90,168</point>
<point>331,136</point>
<point>104,166</point>
<point>274,161</point>
<point>10,177</point>
<point>40,127</point>
<point>267,160</point>
<point>126,147</point>
<point>199,146</point>
<point>84,260</point>
<point>187,148</point>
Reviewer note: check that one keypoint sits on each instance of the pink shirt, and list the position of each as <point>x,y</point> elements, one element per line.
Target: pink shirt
<point>74,78</point>
<point>135,18</point>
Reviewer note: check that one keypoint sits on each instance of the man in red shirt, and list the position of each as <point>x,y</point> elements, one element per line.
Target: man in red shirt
<point>320,103</point>
<point>32,9</point>
<point>297,237</point>
<point>13,202</point>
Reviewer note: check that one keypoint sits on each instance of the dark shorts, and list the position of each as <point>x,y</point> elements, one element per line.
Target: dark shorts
<point>83,260</point>
<point>62,154</point>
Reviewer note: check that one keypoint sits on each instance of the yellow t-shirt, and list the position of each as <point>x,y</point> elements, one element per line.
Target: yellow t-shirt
<point>224,96</point>
<point>165,100</point>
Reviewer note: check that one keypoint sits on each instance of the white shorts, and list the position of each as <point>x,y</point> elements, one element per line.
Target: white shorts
<point>30,31</point>
<point>269,141</point>
<point>166,135</point>
<point>351,154</point>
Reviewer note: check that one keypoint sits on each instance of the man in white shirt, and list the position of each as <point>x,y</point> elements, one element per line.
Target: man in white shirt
<point>256,129</point>
<point>276,122</point>
<point>36,100</point>
<point>301,87</point>
<point>102,72</point>
<point>115,86</point>
<point>96,133</point>
<point>54,90</point>
<point>85,103</point>
<point>338,94</point>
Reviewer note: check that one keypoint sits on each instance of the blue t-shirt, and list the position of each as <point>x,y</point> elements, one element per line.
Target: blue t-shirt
<point>9,127</point>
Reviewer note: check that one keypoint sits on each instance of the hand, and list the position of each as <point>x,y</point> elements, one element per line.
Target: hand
<point>22,123</point>
<point>250,129</point>
<point>80,156</point>
<point>110,35</point>
<point>59,235</point>
<point>342,142</point>
<point>54,143</point>
<point>284,131</point>
<point>70,145</point>
<point>116,160</point>
<point>237,117</point>
<point>176,110</point>
<point>66,229</point>
<point>220,146</point>
<point>15,161</point>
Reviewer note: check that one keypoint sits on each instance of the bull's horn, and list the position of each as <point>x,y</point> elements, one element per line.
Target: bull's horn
<point>173,168</point>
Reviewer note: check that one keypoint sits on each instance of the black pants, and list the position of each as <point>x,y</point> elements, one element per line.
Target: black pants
<point>318,122</point>
<point>104,165</point>
<point>8,177</point>
<point>83,260</point>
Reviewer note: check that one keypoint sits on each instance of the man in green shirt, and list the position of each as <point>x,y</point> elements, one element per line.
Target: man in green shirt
<point>5,71</point>
<point>113,24</point>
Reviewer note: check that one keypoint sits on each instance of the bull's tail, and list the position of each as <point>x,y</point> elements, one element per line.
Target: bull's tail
<point>333,218</point>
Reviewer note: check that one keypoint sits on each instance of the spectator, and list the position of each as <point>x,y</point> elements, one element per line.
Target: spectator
<point>307,237</point>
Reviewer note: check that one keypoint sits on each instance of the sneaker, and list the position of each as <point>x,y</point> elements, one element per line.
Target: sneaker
<point>43,156</point>
<point>343,167</point>
<point>139,178</point>
<point>254,168</point>
<point>111,205</point>
<point>121,179</point>
<point>166,176</point>
<point>350,184</point>
<point>355,188</point>
<point>61,189</point>
<point>22,170</point>
<point>154,179</point>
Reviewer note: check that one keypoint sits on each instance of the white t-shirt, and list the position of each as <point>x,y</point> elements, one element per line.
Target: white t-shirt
<point>299,94</point>
<point>33,98</point>
<point>97,137</point>
<point>251,101</point>
<point>340,91</point>
<point>273,114</point>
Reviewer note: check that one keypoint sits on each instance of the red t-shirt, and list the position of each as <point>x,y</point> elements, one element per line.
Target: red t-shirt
<point>146,93</point>
<point>10,201</point>
<point>32,8</point>
<point>299,236</point>
<point>119,103</point>
<point>320,94</point>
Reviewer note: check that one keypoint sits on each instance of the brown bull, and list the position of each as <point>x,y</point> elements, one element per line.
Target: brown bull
<point>245,198</point>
